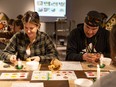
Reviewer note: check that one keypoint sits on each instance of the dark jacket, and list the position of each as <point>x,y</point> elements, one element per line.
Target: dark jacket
<point>6,35</point>
<point>76,43</point>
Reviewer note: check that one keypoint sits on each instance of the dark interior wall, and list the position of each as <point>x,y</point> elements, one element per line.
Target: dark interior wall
<point>77,9</point>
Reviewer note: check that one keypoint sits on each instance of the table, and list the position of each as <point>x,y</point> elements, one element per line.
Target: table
<point>85,67</point>
<point>50,83</point>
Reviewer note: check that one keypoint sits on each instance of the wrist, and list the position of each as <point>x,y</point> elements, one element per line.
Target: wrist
<point>84,56</point>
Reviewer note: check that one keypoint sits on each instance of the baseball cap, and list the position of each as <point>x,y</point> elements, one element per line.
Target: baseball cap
<point>93,19</point>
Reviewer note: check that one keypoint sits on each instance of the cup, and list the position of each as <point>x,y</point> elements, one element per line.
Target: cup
<point>32,65</point>
<point>106,61</point>
<point>82,82</point>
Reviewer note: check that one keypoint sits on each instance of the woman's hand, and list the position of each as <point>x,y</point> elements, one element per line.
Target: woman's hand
<point>13,59</point>
<point>34,58</point>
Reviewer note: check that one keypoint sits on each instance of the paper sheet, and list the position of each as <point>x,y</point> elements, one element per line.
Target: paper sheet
<point>48,75</point>
<point>94,74</point>
<point>24,84</point>
<point>15,75</point>
<point>71,66</point>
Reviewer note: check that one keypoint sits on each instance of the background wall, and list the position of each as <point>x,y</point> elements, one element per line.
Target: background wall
<point>15,7</point>
<point>76,9</point>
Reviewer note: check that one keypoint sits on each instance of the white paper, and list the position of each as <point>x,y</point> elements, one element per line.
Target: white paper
<point>48,75</point>
<point>71,66</point>
<point>15,75</point>
<point>91,74</point>
<point>25,84</point>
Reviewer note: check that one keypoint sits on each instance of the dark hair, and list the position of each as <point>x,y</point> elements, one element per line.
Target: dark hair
<point>103,16</point>
<point>31,16</point>
<point>19,23</point>
<point>20,16</point>
<point>11,22</point>
<point>113,43</point>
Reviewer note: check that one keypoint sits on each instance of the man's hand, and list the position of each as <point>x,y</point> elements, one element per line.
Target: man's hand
<point>91,57</point>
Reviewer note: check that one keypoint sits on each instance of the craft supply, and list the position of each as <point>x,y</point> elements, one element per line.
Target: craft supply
<point>6,66</point>
<point>91,66</point>
<point>48,76</point>
<point>102,66</point>
<point>101,60</point>
<point>14,75</point>
<point>58,75</point>
<point>93,74</point>
<point>98,71</point>
<point>19,64</point>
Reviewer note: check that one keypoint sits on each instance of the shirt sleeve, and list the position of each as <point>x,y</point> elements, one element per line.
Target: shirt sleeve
<point>9,49</point>
<point>50,49</point>
<point>72,53</point>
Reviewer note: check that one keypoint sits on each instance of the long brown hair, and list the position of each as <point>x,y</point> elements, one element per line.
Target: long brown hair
<point>113,43</point>
<point>31,16</point>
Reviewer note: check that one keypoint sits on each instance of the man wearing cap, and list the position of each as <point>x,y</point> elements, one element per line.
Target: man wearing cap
<point>88,40</point>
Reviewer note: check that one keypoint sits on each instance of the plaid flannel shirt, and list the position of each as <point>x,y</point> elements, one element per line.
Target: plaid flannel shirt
<point>42,47</point>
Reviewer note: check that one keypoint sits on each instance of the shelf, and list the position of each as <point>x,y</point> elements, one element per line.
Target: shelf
<point>62,29</point>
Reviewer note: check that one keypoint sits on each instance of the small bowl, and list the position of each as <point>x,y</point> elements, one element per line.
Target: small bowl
<point>106,61</point>
<point>32,65</point>
<point>83,82</point>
